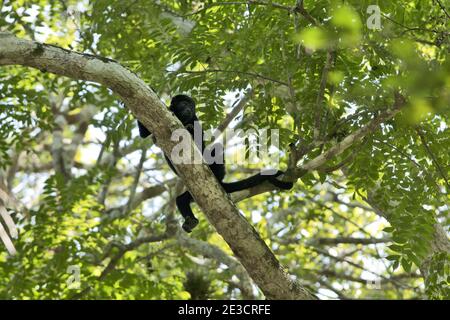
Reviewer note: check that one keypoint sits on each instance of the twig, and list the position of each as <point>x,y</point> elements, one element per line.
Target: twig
<point>301,9</point>
<point>432,156</point>
<point>237,3</point>
<point>348,240</point>
<point>320,95</point>
<point>128,206</point>
<point>443,8</point>
<point>122,250</point>
<point>238,108</point>
<point>257,75</point>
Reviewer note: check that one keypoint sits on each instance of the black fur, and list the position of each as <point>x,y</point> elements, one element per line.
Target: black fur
<point>184,109</point>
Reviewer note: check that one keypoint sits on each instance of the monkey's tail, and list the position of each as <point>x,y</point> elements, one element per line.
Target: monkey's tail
<point>255,180</point>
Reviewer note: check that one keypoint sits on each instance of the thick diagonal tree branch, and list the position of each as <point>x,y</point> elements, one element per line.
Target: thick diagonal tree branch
<point>242,238</point>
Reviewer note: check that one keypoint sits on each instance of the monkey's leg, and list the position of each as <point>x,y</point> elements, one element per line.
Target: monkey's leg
<point>184,205</point>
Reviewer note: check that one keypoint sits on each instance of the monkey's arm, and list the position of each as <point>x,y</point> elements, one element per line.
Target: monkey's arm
<point>143,132</point>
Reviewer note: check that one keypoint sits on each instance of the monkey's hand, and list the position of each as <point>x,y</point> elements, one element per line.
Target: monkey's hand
<point>285,185</point>
<point>189,127</point>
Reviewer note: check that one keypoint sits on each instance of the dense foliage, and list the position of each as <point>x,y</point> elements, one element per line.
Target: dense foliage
<point>97,199</point>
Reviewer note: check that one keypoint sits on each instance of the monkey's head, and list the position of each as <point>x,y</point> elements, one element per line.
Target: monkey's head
<point>184,108</point>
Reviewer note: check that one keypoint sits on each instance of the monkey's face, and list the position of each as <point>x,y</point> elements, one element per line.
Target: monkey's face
<point>184,109</point>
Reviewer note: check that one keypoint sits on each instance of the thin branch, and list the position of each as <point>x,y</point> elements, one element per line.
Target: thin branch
<point>344,162</point>
<point>128,206</point>
<point>320,95</point>
<point>59,159</point>
<point>349,204</point>
<point>122,249</point>
<point>323,205</point>
<point>209,250</point>
<point>238,108</point>
<point>252,74</point>
<point>331,288</point>
<point>348,240</point>
<point>418,165</point>
<point>392,278</point>
<point>147,193</point>
<point>84,118</point>
<point>340,259</point>
<point>319,161</point>
<point>237,3</point>
<point>433,157</point>
<point>104,191</point>
<point>301,9</point>
<point>151,192</point>
<point>352,138</point>
<point>443,8</point>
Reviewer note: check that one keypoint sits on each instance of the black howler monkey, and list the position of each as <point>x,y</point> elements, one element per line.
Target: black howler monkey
<point>184,109</point>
